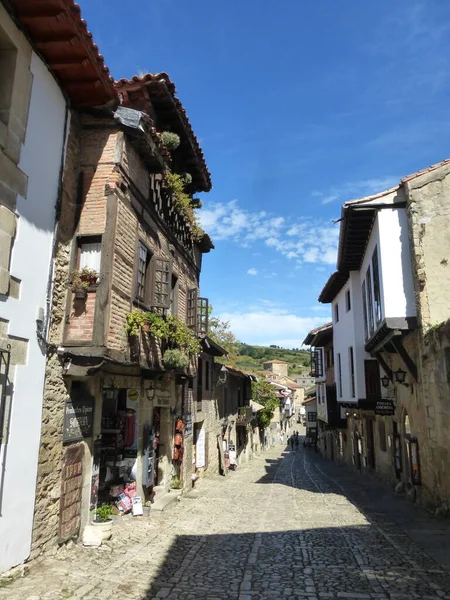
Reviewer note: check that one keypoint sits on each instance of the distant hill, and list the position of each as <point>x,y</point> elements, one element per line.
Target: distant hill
<point>252,358</point>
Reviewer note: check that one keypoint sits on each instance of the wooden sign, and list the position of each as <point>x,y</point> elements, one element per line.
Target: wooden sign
<point>71,488</point>
<point>78,418</point>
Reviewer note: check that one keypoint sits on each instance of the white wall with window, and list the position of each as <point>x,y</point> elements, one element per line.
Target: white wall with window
<point>386,279</point>
<point>348,342</point>
<point>41,158</point>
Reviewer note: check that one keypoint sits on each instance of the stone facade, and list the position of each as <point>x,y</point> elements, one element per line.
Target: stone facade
<point>276,366</point>
<point>110,199</point>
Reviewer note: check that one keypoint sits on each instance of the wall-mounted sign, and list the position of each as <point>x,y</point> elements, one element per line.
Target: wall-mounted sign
<point>78,418</point>
<point>384,407</point>
<point>161,402</point>
<point>187,424</point>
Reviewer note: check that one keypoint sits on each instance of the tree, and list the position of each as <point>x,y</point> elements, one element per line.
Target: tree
<point>219,331</point>
<point>264,393</point>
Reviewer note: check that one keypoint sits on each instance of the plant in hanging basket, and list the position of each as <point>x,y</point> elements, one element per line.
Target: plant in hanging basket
<point>175,359</point>
<point>187,178</point>
<point>170,140</point>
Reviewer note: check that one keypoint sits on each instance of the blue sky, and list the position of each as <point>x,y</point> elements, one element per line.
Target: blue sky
<point>299,106</point>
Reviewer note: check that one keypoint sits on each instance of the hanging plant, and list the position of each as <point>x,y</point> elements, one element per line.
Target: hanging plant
<point>196,203</point>
<point>175,359</point>
<point>170,140</point>
<point>187,178</point>
<point>134,322</point>
<point>81,280</point>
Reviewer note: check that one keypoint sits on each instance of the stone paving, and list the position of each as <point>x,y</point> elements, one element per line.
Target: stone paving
<point>287,525</point>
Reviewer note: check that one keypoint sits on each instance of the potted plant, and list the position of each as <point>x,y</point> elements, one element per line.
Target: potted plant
<point>176,483</point>
<point>170,140</point>
<point>175,359</point>
<point>81,280</point>
<point>103,520</point>
<point>146,509</point>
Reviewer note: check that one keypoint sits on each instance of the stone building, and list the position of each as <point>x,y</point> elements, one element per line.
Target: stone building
<point>40,85</point>
<point>279,367</point>
<point>390,333</point>
<point>126,292</point>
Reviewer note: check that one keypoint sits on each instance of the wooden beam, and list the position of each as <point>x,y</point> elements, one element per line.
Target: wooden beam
<point>65,38</point>
<point>386,368</point>
<point>66,64</point>
<point>410,364</point>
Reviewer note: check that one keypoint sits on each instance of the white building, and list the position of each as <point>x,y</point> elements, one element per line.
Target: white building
<point>34,123</point>
<point>373,306</point>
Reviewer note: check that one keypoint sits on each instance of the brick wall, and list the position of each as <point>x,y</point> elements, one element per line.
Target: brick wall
<point>81,320</point>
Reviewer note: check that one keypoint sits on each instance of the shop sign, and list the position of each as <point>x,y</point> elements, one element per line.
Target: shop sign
<point>385,407</point>
<point>187,424</point>
<point>78,419</point>
<point>200,458</point>
<point>71,488</point>
<point>161,402</point>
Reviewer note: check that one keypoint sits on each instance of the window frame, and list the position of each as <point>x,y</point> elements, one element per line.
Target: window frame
<point>88,239</point>
<point>158,265</point>
<point>339,374</point>
<point>351,364</point>
<point>147,283</point>
<point>348,302</point>
<point>378,310</point>
<point>336,312</point>
<point>370,300</point>
<point>191,308</point>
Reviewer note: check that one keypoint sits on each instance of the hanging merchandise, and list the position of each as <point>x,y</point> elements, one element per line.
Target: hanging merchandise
<point>176,453</point>
<point>130,427</point>
<point>179,425</point>
<point>178,439</point>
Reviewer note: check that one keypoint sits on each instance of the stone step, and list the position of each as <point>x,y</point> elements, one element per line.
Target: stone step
<point>163,501</point>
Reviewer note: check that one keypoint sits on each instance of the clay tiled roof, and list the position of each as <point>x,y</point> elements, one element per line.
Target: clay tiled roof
<point>161,90</point>
<point>275,362</point>
<point>428,170</point>
<point>60,35</point>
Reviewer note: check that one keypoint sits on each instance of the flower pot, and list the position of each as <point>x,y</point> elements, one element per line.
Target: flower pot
<point>105,527</point>
<point>146,511</point>
<point>80,293</point>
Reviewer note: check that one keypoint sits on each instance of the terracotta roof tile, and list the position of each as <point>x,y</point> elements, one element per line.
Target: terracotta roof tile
<point>57,31</point>
<point>427,170</point>
<point>137,82</point>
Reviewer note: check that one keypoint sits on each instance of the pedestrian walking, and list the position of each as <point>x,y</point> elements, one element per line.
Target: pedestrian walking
<point>292,441</point>
<point>281,438</point>
<point>297,442</point>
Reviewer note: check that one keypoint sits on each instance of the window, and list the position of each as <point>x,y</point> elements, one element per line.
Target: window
<point>348,304</point>
<point>191,316</point>
<point>312,416</point>
<point>162,278</point>
<point>336,312</point>
<point>382,435</point>
<point>339,375</point>
<point>376,286</point>
<point>364,303</point>
<point>173,308</point>
<point>369,301</point>
<point>318,362</point>
<point>352,371</point>
<point>90,252</point>
<point>143,273</point>
<point>202,315</point>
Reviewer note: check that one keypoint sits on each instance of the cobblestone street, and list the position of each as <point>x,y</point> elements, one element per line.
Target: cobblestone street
<point>287,525</point>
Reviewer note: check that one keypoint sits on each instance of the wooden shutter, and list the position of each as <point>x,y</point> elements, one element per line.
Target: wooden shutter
<point>161,282</point>
<point>192,309</point>
<point>372,377</point>
<point>202,315</point>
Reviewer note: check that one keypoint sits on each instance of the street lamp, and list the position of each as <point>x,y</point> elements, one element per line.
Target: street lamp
<point>385,381</point>
<point>400,376</point>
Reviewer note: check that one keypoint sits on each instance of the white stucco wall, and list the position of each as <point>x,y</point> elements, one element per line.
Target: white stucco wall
<point>348,333</point>
<point>41,161</point>
<point>395,264</point>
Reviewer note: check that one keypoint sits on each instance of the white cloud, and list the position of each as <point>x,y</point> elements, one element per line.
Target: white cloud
<point>267,327</point>
<point>252,272</point>
<point>350,190</point>
<point>305,239</point>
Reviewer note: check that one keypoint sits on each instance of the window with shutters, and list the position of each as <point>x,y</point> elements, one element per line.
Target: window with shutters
<point>143,274</point>
<point>318,362</point>
<point>173,308</point>
<point>191,316</point>
<point>162,280</point>
<point>376,286</point>
<point>202,316</point>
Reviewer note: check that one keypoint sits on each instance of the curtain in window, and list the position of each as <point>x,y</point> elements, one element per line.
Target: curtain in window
<point>90,256</point>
